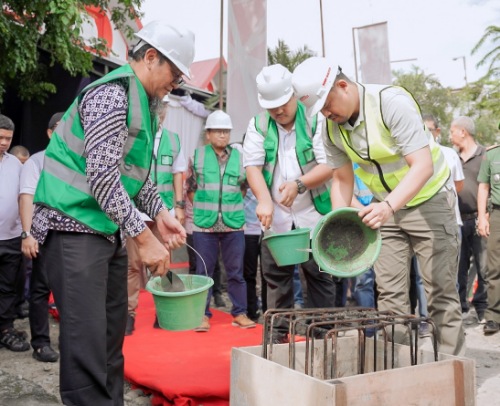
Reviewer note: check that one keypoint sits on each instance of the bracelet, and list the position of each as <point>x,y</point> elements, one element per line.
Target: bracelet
<point>180,204</point>
<point>388,204</point>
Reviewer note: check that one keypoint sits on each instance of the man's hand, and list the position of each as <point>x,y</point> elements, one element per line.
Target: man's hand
<point>30,247</point>
<point>376,214</point>
<point>153,253</point>
<point>289,191</point>
<point>264,212</point>
<point>171,230</point>
<point>180,215</point>
<point>483,226</point>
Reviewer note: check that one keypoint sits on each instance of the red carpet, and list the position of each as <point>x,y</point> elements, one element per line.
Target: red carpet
<point>183,368</point>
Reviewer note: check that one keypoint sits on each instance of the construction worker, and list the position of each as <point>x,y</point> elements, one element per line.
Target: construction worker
<point>287,172</point>
<point>97,162</point>
<point>216,184</point>
<point>381,129</point>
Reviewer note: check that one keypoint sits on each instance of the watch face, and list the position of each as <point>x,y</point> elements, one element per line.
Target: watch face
<point>24,235</point>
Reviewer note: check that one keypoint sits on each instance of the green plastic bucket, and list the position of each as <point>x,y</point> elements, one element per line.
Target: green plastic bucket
<point>289,248</point>
<point>178,311</point>
<point>343,245</point>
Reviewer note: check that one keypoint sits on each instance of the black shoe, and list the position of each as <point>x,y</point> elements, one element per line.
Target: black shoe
<point>156,324</point>
<point>219,301</point>
<point>45,354</point>
<point>11,340</point>
<point>491,327</point>
<point>130,325</point>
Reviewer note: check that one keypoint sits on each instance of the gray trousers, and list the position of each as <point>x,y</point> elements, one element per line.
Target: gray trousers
<point>88,276</point>
<point>430,231</point>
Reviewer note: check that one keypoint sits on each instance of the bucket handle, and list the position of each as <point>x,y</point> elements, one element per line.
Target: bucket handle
<point>196,252</point>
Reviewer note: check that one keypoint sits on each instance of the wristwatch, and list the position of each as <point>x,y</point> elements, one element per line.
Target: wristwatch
<point>180,204</point>
<point>301,188</point>
<point>25,234</point>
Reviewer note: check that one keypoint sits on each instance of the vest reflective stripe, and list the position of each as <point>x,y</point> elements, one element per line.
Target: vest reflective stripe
<point>161,168</point>
<point>304,150</point>
<point>216,192</point>
<point>381,165</point>
<point>63,184</point>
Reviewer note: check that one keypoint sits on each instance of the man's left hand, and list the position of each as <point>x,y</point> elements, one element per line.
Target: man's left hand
<point>289,191</point>
<point>171,230</point>
<point>376,214</point>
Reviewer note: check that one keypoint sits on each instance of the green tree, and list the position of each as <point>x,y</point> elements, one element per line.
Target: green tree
<point>432,97</point>
<point>30,27</point>
<point>290,59</point>
<point>492,56</point>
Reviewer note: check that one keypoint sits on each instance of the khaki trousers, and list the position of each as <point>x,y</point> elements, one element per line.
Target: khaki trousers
<point>135,276</point>
<point>493,270</point>
<point>430,231</point>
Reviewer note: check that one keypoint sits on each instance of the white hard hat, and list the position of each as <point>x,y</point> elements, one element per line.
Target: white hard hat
<point>312,80</point>
<point>274,86</point>
<point>219,120</point>
<point>176,44</point>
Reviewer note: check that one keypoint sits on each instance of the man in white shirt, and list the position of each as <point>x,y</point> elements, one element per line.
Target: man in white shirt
<point>287,172</point>
<point>10,240</point>
<point>39,285</point>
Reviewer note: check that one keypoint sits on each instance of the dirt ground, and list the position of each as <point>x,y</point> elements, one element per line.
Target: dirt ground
<point>22,368</point>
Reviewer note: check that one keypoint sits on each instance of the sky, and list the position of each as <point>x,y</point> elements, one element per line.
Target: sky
<point>430,32</point>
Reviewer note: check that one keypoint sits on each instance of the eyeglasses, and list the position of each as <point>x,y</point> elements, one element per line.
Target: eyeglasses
<point>178,79</point>
<point>220,131</point>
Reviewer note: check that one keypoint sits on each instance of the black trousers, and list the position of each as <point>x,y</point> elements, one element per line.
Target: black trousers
<point>320,285</point>
<point>10,279</point>
<point>39,303</point>
<point>88,276</point>
<point>250,266</point>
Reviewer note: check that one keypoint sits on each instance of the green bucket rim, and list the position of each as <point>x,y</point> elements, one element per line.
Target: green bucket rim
<point>318,256</point>
<point>208,285</point>
<point>297,257</point>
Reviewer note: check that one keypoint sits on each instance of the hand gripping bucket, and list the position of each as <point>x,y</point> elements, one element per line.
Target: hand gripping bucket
<point>343,245</point>
<point>289,248</point>
<point>178,311</point>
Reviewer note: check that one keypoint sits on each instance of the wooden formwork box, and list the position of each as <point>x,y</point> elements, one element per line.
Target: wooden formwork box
<point>256,381</point>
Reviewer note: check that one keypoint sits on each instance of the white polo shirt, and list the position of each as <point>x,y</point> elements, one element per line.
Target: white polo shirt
<point>30,173</point>
<point>10,173</point>
<point>302,213</point>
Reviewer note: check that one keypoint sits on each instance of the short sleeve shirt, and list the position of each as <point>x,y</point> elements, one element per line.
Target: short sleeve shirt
<point>490,173</point>
<point>401,117</point>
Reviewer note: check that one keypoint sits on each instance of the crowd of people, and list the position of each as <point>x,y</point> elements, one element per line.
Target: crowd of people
<point>114,193</point>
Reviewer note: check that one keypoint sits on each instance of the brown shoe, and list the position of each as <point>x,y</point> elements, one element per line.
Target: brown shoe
<point>204,326</point>
<point>242,321</point>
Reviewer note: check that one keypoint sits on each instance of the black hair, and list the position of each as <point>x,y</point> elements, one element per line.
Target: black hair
<point>6,123</point>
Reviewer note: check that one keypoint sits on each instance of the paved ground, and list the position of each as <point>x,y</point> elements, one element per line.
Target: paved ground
<point>27,382</point>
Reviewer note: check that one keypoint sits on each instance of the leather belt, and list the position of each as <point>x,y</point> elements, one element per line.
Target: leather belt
<point>468,216</point>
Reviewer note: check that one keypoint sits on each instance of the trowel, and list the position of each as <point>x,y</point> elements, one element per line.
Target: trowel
<point>170,282</point>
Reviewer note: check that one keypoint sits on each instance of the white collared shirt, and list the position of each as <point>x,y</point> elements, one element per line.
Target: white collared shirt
<point>10,173</point>
<point>302,213</point>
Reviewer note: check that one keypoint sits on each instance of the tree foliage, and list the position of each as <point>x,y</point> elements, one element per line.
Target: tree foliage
<point>283,55</point>
<point>29,28</point>
<point>432,97</point>
<point>492,56</point>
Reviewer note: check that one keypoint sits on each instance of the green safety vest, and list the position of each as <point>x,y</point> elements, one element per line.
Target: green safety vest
<point>381,165</point>
<point>216,192</point>
<point>63,184</point>
<point>304,150</point>
<point>161,167</point>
